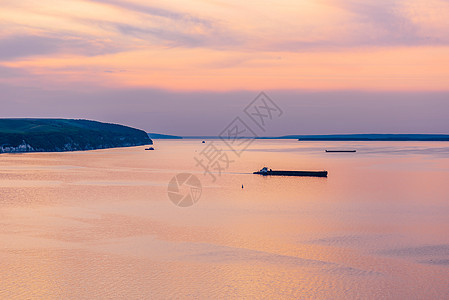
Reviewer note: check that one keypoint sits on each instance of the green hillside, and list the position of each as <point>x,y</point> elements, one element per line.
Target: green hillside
<point>55,135</point>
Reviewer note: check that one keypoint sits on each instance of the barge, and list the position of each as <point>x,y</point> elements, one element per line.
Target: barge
<point>265,172</point>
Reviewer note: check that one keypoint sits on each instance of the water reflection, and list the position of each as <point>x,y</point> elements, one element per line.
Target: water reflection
<point>99,224</point>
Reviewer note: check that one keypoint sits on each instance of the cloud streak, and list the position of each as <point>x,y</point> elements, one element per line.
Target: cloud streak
<point>173,27</point>
<point>157,11</point>
<point>15,47</point>
<point>383,25</point>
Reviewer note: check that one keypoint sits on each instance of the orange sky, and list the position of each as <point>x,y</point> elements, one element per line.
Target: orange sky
<point>226,45</point>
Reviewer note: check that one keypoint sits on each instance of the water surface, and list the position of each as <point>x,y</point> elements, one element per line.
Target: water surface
<point>99,224</point>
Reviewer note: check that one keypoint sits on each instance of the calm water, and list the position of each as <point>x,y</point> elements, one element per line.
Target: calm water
<point>99,224</point>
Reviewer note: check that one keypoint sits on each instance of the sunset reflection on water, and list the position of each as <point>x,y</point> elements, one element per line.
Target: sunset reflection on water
<point>99,224</point>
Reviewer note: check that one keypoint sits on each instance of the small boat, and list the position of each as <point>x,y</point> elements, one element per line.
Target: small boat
<point>265,172</point>
<point>151,148</point>
<point>203,142</point>
<point>336,151</point>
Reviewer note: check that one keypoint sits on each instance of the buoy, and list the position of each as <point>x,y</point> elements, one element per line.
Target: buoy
<point>242,186</point>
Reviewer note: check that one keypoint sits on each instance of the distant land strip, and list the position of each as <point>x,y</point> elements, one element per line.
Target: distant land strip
<point>367,137</point>
<point>348,137</point>
<point>160,136</point>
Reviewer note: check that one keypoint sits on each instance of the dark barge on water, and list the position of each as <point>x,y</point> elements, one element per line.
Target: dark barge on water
<point>265,172</point>
<point>335,151</point>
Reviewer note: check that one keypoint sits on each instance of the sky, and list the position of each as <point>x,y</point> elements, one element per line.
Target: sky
<point>190,67</point>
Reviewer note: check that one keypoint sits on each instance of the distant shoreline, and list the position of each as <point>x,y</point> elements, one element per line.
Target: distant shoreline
<point>351,137</point>
<point>369,137</point>
<point>160,136</point>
